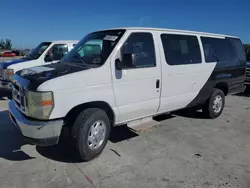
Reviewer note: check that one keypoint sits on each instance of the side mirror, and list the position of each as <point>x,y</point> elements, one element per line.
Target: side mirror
<point>48,58</point>
<point>128,62</point>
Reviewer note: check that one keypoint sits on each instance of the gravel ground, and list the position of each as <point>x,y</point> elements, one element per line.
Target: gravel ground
<point>183,151</point>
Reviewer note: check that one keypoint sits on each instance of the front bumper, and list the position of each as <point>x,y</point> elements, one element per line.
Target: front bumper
<point>43,133</point>
<point>5,84</point>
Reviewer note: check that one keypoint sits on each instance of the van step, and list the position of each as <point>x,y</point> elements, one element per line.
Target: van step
<point>143,124</point>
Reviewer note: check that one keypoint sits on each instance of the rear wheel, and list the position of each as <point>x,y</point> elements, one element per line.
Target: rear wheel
<point>90,133</point>
<point>215,104</point>
<point>247,89</point>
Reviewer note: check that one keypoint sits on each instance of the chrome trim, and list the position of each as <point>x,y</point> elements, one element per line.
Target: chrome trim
<point>19,90</point>
<point>5,84</point>
<point>34,128</point>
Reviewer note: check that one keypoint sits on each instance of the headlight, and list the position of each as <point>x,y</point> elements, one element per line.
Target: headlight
<point>40,104</point>
<point>7,74</point>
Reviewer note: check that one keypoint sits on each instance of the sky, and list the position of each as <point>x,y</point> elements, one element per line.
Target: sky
<point>29,22</point>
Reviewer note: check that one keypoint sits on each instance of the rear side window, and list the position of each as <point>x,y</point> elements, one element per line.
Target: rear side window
<point>238,48</point>
<point>181,49</point>
<point>219,50</point>
<point>142,45</point>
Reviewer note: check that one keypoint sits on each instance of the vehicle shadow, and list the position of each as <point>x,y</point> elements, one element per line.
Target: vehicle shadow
<point>63,152</point>
<point>164,117</point>
<point>58,153</point>
<point>190,113</point>
<point>121,133</point>
<point>10,140</point>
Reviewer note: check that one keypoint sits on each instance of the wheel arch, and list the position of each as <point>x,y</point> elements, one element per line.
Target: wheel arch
<point>222,86</point>
<point>72,114</point>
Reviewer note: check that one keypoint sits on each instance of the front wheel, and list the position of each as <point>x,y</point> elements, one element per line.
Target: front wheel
<point>215,104</point>
<point>90,133</point>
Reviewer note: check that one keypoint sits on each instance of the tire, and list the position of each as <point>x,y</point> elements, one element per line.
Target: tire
<point>247,89</point>
<point>208,108</point>
<point>83,128</point>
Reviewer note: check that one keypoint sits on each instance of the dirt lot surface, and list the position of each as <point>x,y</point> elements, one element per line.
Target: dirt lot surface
<point>184,151</point>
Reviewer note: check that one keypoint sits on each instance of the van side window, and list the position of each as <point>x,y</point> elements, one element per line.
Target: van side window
<point>142,45</point>
<point>58,51</point>
<point>181,49</point>
<point>218,50</point>
<point>239,48</point>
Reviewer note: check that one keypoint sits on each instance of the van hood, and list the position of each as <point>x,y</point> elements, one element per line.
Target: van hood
<point>40,74</point>
<point>6,64</point>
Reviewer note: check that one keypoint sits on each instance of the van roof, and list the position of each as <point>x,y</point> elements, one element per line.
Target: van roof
<point>63,41</point>
<point>175,30</point>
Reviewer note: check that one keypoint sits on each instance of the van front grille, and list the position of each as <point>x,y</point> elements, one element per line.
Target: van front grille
<point>20,98</point>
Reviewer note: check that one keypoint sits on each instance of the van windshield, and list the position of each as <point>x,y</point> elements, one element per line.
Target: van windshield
<point>37,52</point>
<point>94,48</point>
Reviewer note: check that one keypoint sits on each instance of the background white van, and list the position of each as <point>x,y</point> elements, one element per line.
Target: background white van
<point>44,53</point>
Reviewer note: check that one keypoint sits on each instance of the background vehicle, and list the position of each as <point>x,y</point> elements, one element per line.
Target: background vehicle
<point>247,79</point>
<point>18,53</point>
<point>1,52</point>
<point>8,54</point>
<point>44,53</point>
<point>119,76</point>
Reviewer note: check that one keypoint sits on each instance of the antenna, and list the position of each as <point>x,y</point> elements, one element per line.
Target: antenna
<point>143,18</point>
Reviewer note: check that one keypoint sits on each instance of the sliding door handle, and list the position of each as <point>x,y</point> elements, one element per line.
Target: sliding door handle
<point>157,83</point>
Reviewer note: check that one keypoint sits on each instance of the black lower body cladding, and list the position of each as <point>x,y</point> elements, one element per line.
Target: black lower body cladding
<point>228,79</point>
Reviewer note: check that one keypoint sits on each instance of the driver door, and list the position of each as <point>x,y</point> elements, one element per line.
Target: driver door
<point>56,53</point>
<point>137,90</point>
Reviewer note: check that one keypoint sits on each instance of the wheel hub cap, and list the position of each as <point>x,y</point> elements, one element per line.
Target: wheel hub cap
<point>96,135</point>
<point>217,104</point>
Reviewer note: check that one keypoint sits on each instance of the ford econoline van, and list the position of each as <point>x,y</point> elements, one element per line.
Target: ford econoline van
<point>118,76</point>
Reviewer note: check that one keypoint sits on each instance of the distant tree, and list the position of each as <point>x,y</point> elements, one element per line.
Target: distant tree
<point>5,44</point>
<point>8,44</point>
<point>2,44</point>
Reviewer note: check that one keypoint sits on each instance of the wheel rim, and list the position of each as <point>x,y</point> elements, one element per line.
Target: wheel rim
<point>96,135</point>
<point>217,104</point>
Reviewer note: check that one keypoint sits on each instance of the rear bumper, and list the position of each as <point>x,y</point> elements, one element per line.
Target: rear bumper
<point>42,133</point>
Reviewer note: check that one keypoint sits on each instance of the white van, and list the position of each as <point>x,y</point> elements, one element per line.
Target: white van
<point>114,77</point>
<point>44,53</point>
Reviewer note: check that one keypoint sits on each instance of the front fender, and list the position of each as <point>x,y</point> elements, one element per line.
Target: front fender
<point>66,100</point>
